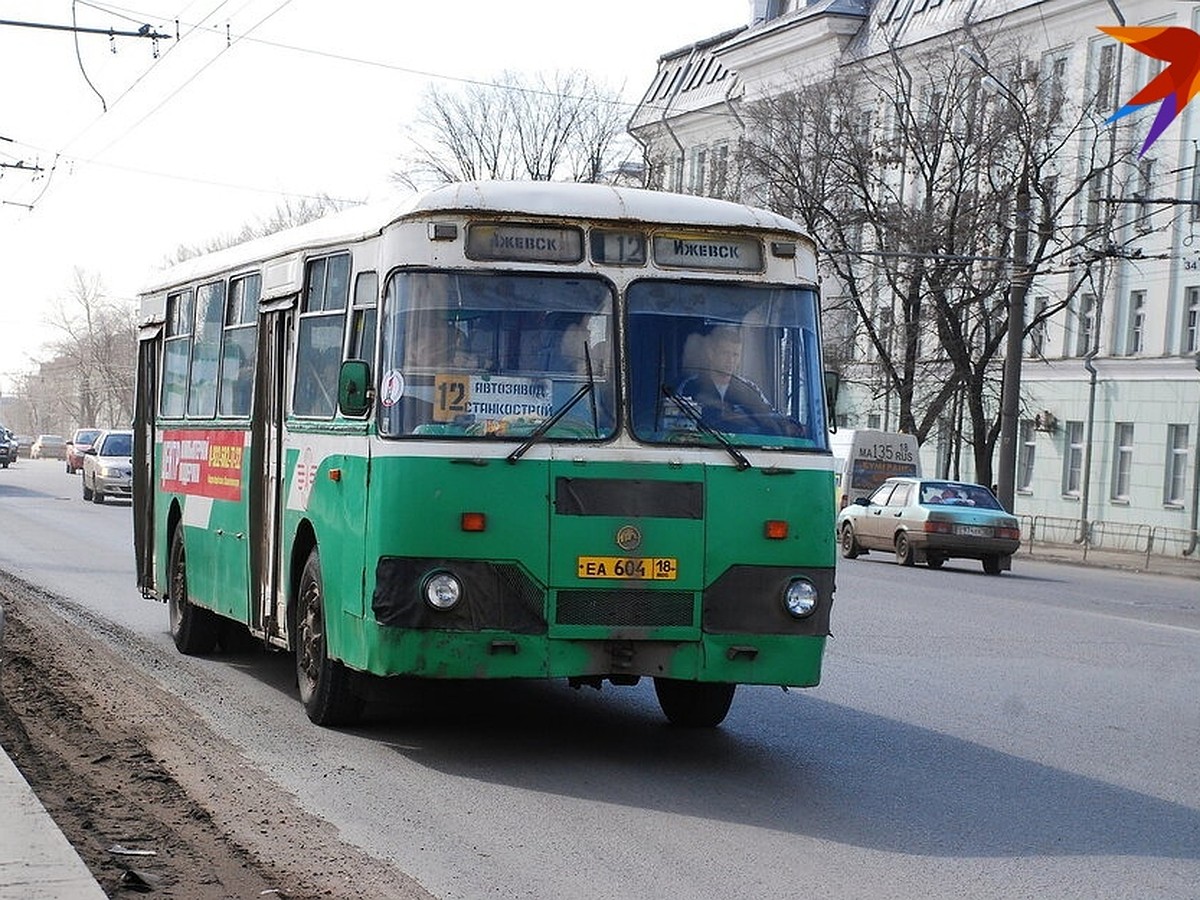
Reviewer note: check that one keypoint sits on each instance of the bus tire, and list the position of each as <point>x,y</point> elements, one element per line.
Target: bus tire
<point>904,551</point>
<point>193,628</point>
<point>326,686</point>
<point>694,704</point>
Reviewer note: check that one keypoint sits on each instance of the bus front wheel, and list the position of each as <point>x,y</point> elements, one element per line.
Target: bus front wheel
<point>694,704</point>
<point>326,687</point>
<point>193,629</point>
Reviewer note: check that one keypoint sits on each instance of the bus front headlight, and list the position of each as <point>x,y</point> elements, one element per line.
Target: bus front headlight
<point>442,590</point>
<point>800,597</point>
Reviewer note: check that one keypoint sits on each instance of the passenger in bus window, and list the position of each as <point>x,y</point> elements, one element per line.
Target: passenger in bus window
<point>576,349</point>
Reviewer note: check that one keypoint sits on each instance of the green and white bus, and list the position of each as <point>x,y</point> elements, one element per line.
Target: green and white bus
<point>496,430</point>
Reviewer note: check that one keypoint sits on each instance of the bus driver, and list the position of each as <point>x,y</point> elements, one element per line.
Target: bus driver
<point>725,401</point>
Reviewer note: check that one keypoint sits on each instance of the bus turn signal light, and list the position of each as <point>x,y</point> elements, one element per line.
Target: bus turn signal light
<point>474,521</point>
<point>775,529</point>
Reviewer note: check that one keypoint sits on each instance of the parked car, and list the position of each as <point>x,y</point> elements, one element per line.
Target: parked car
<point>931,521</point>
<point>24,445</point>
<point>108,466</point>
<point>77,446</point>
<point>8,447</point>
<point>49,446</point>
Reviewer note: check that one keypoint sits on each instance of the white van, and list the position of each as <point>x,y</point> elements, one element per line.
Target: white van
<point>864,458</point>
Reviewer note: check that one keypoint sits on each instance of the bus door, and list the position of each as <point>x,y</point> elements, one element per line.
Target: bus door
<point>145,406</point>
<point>268,604</point>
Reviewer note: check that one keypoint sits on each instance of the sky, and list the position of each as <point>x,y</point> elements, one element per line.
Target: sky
<point>256,103</point>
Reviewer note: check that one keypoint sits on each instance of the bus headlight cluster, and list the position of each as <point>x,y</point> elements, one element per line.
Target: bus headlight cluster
<point>800,597</point>
<point>442,590</point>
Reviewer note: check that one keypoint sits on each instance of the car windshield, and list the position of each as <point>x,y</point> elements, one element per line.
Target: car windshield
<point>87,436</point>
<point>732,362</point>
<point>120,444</point>
<point>941,493</point>
<point>497,355</point>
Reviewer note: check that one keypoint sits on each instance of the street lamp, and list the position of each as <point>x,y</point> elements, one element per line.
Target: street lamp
<point>1018,288</point>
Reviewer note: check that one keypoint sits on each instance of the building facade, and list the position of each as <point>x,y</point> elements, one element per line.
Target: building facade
<point>1109,413</point>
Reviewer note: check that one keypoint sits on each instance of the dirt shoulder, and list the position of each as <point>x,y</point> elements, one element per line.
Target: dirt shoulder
<point>121,763</point>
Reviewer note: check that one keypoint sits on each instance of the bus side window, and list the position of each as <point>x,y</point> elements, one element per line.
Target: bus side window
<point>363,317</point>
<point>319,341</point>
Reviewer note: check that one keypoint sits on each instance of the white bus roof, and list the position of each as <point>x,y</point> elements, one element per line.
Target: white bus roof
<point>567,200</point>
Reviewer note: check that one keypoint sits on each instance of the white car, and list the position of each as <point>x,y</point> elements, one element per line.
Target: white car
<point>108,467</point>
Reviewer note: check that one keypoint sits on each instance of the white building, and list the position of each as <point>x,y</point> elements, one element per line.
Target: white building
<point>1119,363</point>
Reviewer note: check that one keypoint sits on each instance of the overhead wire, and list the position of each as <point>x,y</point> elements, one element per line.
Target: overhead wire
<point>247,36</point>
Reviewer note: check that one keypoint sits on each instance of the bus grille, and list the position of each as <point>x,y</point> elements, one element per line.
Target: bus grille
<point>635,608</point>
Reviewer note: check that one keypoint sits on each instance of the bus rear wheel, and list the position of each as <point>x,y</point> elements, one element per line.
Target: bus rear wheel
<point>694,704</point>
<point>326,686</point>
<point>193,629</point>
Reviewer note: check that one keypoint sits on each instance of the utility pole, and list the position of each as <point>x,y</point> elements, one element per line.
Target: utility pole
<point>1010,397</point>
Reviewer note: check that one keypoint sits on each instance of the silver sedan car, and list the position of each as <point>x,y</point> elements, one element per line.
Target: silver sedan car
<point>931,521</point>
<point>108,467</point>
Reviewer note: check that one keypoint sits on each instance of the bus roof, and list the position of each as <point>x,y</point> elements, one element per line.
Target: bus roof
<point>566,200</point>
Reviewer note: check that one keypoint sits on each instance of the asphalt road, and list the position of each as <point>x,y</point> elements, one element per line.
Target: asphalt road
<point>1029,735</point>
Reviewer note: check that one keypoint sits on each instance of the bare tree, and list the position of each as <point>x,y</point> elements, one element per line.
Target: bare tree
<point>287,214</point>
<point>915,182</point>
<point>89,378</point>
<point>536,128</point>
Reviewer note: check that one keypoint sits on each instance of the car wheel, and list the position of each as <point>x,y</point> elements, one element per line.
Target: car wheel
<point>694,704</point>
<point>193,629</point>
<point>904,553</point>
<point>87,491</point>
<point>70,471</point>
<point>991,565</point>
<point>97,495</point>
<point>326,686</point>
<point>935,560</point>
<point>850,548</point>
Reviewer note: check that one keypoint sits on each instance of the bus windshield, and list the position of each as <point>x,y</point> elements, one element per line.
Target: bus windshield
<point>725,362</point>
<point>497,355</point>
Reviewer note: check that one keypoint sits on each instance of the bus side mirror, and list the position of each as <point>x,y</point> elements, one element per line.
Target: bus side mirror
<point>833,384</point>
<point>354,391</point>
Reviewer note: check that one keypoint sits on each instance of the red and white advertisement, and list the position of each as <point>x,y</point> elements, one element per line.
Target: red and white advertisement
<point>204,463</point>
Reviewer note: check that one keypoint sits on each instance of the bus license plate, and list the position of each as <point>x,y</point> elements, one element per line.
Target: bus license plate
<point>643,568</point>
<point>973,530</point>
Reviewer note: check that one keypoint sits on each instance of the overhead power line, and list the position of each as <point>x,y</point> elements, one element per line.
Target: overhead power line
<point>144,32</point>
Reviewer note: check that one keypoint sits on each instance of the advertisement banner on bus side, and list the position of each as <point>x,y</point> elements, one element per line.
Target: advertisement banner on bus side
<point>203,463</point>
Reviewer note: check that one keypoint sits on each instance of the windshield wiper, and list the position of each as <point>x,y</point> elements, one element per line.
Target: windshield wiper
<point>540,432</point>
<point>686,407</point>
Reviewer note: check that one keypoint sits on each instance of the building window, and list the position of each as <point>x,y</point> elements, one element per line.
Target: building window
<point>699,165</point>
<point>1145,188</point>
<point>720,170</point>
<point>1191,320</point>
<point>1122,460</point>
<point>1092,214</point>
<point>1025,455</point>
<point>1072,459</point>
<point>1175,473</point>
<point>1105,57</point>
<point>1085,319</point>
<point>1196,187</point>
<point>1037,328</point>
<point>1137,323</point>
